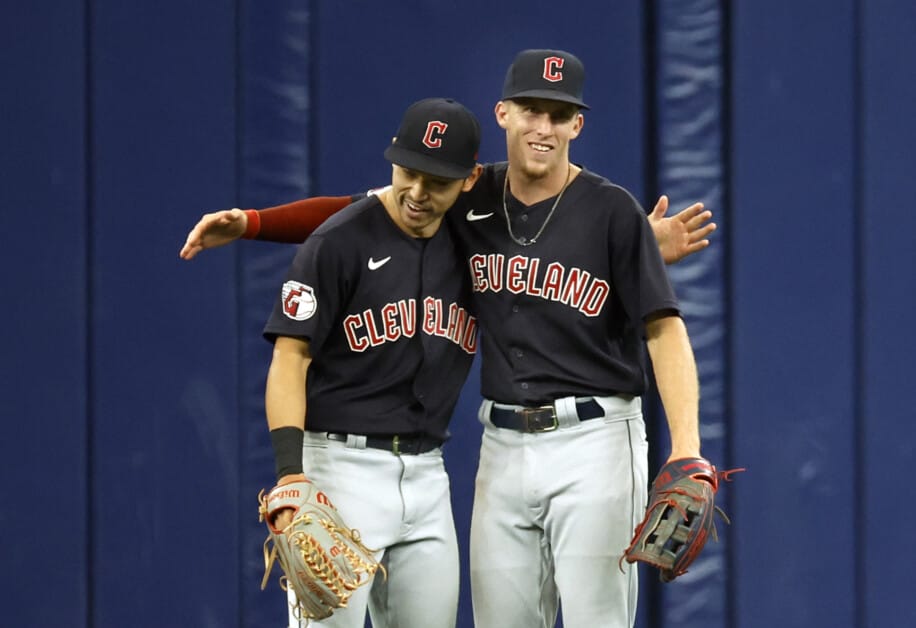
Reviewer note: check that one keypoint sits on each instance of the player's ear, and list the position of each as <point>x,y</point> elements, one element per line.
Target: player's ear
<point>577,126</point>
<point>502,113</point>
<point>471,179</point>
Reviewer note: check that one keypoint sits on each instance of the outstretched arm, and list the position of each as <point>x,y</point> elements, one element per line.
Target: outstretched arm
<point>292,222</point>
<point>678,236</point>
<point>682,234</point>
<point>213,230</point>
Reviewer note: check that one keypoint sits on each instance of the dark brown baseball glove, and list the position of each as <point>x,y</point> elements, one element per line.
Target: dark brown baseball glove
<point>679,518</point>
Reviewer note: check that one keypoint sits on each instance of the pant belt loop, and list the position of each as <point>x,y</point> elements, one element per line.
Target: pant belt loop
<point>483,414</point>
<point>620,407</point>
<point>567,414</point>
<point>356,441</point>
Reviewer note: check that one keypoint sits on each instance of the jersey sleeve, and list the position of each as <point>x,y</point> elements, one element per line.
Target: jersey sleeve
<point>306,304</point>
<point>636,264</point>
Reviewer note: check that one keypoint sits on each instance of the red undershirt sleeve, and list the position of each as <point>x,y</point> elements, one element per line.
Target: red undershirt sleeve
<point>292,222</point>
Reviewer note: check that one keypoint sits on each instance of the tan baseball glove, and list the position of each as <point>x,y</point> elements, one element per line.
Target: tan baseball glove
<point>322,559</point>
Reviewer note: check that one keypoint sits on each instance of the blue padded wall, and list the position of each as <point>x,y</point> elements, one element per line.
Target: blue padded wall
<point>43,252</point>
<point>276,62</point>
<point>165,421</point>
<point>886,336</point>
<point>792,255</point>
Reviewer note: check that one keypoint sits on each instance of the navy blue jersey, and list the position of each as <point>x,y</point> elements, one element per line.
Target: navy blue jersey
<point>563,316</point>
<point>388,321</point>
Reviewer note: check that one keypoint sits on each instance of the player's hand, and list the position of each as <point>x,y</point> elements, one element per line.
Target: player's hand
<point>682,234</point>
<point>283,519</point>
<point>213,230</point>
<point>285,516</point>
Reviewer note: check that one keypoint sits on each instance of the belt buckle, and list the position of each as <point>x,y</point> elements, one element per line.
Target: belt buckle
<point>542,419</point>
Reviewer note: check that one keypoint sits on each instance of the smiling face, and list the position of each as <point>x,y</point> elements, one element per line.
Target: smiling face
<point>538,133</point>
<point>418,201</point>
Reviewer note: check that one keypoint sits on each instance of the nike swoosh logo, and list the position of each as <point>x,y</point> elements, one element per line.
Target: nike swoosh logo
<point>375,265</point>
<point>471,216</point>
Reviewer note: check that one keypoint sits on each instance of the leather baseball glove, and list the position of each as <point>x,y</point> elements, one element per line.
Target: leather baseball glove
<point>322,559</point>
<point>679,518</point>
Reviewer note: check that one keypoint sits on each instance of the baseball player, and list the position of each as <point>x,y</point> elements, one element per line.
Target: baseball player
<point>569,288</point>
<point>568,281</point>
<point>373,338</point>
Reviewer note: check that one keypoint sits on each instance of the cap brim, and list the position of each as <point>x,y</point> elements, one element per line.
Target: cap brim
<point>400,156</point>
<point>548,94</point>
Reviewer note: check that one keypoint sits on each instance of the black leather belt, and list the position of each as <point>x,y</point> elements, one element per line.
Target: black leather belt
<point>395,444</point>
<point>542,419</point>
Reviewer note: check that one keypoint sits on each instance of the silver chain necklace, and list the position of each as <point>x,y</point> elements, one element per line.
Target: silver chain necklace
<point>523,241</point>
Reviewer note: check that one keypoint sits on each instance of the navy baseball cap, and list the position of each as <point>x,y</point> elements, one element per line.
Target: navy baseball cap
<point>438,136</point>
<point>548,74</point>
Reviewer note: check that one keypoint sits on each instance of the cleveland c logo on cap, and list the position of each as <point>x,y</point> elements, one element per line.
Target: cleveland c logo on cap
<point>552,67</point>
<point>434,132</point>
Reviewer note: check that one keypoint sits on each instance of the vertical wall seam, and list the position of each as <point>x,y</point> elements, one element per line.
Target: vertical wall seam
<point>241,514</point>
<point>650,98</point>
<point>860,435</point>
<point>653,603</point>
<point>725,237</point>
<point>313,143</point>
<point>88,130</point>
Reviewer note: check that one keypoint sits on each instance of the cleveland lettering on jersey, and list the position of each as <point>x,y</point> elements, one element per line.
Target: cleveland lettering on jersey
<point>399,320</point>
<point>519,274</point>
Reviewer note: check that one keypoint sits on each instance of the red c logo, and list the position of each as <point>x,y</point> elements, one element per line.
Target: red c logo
<point>434,132</point>
<point>552,67</point>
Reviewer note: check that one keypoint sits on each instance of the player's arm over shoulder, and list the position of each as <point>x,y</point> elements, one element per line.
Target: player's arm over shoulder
<point>294,222</point>
<point>290,223</point>
<point>677,236</point>
<point>682,234</point>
